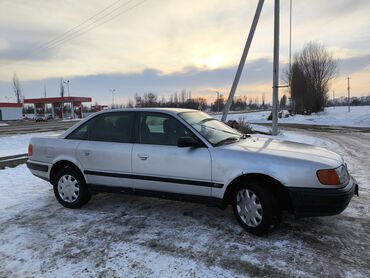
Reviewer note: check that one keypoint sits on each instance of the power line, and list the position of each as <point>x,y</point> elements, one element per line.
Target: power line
<point>82,23</point>
<point>78,34</point>
<point>82,27</point>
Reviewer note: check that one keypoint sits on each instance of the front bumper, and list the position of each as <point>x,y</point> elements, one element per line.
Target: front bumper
<point>322,201</point>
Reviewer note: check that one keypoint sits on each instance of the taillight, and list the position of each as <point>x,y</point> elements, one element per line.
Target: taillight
<point>30,149</point>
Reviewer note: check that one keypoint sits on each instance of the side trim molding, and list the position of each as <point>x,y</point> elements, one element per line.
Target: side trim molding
<point>153,178</point>
<point>95,188</point>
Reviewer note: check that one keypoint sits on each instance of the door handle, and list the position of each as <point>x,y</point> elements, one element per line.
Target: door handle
<point>86,153</point>
<point>143,156</point>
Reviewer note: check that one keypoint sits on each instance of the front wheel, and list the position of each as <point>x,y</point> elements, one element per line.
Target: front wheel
<point>70,188</point>
<point>255,207</point>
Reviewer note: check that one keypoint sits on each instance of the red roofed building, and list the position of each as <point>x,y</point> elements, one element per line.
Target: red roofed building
<point>10,111</point>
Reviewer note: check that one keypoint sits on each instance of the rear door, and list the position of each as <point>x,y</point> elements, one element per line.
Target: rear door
<point>105,152</point>
<point>159,165</point>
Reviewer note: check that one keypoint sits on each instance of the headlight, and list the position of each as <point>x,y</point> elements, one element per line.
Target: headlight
<point>338,176</point>
<point>343,174</point>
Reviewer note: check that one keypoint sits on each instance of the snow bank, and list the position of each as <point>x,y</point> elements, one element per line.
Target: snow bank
<point>337,116</point>
<point>71,120</point>
<point>18,144</point>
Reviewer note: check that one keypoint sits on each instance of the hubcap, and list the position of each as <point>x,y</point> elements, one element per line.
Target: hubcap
<point>68,188</point>
<point>249,207</point>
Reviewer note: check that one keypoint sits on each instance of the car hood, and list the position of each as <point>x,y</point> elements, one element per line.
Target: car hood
<point>283,148</point>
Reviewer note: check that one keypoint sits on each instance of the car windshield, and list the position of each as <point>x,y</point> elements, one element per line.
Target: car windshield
<point>213,130</point>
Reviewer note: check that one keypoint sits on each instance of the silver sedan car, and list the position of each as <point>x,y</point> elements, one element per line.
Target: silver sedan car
<point>187,155</point>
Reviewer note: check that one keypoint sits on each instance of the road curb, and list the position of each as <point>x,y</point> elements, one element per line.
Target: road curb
<point>13,160</point>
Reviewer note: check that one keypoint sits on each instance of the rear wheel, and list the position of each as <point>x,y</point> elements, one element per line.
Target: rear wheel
<point>255,207</point>
<point>70,188</point>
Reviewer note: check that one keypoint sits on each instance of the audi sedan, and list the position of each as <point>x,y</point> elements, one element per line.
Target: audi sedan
<point>185,154</point>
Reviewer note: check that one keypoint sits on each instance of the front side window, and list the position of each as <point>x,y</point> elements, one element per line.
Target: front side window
<point>213,130</point>
<point>108,127</point>
<point>160,129</point>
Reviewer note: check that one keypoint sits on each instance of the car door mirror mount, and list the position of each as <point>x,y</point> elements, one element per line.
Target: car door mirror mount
<point>187,141</point>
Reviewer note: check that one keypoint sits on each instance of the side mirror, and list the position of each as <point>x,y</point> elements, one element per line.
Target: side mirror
<point>187,141</point>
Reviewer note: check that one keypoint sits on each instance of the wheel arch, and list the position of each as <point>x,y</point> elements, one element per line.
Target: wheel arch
<point>63,164</point>
<point>273,184</point>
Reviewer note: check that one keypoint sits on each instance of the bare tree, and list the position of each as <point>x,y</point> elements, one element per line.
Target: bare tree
<point>312,70</point>
<point>149,100</point>
<point>17,88</point>
<point>282,102</point>
<point>263,100</point>
<point>130,103</point>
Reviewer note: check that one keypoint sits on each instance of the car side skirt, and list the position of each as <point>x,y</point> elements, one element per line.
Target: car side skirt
<point>95,188</point>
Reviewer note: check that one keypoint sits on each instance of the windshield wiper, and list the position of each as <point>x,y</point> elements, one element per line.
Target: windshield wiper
<point>206,120</point>
<point>245,136</point>
<point>228,139</point>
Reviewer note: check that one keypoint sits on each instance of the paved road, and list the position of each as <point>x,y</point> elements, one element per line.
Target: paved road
<point>130,236</point>
<point>25,127</point>
<point>319,128</point>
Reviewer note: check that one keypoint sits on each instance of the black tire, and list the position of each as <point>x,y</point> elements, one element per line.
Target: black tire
<point>77,200</point>
<point>270,210</point>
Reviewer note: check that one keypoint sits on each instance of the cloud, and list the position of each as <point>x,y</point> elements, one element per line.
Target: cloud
<point>195,79</point>
<point>256,78</point>
<point>168,45</point>
<point>24,52</point>
<point>354,64</point>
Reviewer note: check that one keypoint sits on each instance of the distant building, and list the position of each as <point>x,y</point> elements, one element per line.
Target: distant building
<point>10,111</point>
<point>97,108</point>
<point>57,104</point>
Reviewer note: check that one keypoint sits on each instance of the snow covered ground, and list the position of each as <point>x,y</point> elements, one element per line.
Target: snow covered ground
<point>71,120</point>
<point>335,116</point>
<point>131,236</point>
<point>18,144</point>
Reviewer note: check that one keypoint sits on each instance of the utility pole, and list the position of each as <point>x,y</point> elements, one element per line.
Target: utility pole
<point>112,91</point>
<point>349,94</point>
<point>275,86</point>
<point>67,82</point>
<point>218,101</point>
<point>242,60</point>
<point>334,99</point>
<point>290,41</point>
<point>45,105</point>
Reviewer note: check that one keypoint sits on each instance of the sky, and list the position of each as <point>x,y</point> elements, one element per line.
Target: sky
<point>165,46</point>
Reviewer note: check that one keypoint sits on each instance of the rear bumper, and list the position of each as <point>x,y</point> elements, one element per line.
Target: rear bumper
<point>39,169</point>
<point>321,202</point>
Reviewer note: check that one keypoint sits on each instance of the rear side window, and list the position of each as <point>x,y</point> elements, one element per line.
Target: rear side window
<point>108,127</point>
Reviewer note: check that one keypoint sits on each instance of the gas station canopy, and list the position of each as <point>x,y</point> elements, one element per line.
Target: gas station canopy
<point>57,104</point>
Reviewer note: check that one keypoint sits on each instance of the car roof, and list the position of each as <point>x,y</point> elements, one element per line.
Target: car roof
<point>166,110</point>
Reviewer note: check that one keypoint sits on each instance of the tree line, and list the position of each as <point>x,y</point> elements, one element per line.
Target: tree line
<point>354,101</point>
<point>184,99</point>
